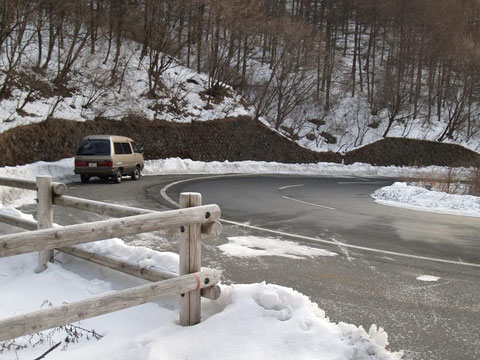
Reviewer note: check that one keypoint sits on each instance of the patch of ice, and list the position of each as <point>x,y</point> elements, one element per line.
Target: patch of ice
<point>428,278</point>
<point>253,246</point>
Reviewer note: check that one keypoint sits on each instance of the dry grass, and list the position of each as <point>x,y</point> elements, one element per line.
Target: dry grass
<point>474,182</point>
<point>459,181</point>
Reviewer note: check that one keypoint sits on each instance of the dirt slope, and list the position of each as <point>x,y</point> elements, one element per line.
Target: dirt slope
<point>232,139</point>
<point>409,152</point>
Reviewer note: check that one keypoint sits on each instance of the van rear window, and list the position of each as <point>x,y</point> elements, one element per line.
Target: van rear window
<point>94,147</point>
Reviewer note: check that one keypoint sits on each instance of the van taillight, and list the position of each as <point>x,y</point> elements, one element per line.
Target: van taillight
<point>81,163</point>
<point>105,163</point>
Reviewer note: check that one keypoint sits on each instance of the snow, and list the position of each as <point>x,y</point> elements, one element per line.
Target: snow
<point>187,166</point>
<point>401,194</point>
<point>255,320</point>
<point>181,98</point>
<point>253,246</point>
<point>261,320</point>
<point>428,278</point>
<point>139,255</point>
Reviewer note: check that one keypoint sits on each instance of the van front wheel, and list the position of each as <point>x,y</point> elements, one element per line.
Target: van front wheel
<point>136,174</point>
<point>118,176</point>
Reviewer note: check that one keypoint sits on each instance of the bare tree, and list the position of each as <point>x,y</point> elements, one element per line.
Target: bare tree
<point>15,40</point>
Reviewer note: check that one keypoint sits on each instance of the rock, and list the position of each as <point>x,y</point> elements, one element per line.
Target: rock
<point>374,124</point>
<point>318,122</point>
<point>329,138</point>
<point>290,132</point>
<point>311,136</point>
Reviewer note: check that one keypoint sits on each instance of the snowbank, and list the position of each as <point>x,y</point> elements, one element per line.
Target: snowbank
<point>403,195</point>
<point>187,166</point>
<point>61,171</point>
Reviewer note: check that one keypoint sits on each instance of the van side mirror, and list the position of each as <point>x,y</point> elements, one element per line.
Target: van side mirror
<point>141,149</point>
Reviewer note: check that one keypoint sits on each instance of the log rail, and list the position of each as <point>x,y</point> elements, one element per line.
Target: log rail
<point>193,220</point>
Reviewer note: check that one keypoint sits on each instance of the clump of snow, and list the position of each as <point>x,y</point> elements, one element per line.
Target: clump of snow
<point>428,278</point>
<point>403,195</point>
<point>14,212</point>
<point>139,255</point>
<point>252,246</point>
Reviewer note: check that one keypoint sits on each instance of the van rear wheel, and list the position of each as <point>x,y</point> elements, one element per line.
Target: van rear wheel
<point>136,174</point>
<point>84,178</point>
<point>118,176</point>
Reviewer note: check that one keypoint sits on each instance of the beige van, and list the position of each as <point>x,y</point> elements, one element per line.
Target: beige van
<point>108,156</point>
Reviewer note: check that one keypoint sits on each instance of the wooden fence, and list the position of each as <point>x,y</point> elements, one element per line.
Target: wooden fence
<point>193,219</point>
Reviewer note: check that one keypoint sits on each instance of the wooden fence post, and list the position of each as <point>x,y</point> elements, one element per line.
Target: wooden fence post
<point>44,216</point>
<point>190,261</point>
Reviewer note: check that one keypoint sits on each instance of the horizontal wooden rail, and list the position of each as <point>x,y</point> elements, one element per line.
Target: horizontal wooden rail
<point>57,188</point>
<point>60,315</point>
<point>44,239</point>
<point>98,207</point>
<point>213,228</point>
<point>18,222</point>
<point>150,273</point>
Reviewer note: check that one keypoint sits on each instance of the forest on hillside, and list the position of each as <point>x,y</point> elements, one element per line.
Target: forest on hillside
<point>410,63</point>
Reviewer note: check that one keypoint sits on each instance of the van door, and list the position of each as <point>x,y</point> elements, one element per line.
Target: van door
<point>138,156</point>
<point>129,157</point>
<point>120,159</point>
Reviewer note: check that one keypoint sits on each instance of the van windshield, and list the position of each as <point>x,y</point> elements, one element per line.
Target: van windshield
<point>94,147</point>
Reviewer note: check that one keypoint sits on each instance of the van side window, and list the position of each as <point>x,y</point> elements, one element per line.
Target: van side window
<point>126,148</point>
<point>136,149</point>
<point>118,148</point>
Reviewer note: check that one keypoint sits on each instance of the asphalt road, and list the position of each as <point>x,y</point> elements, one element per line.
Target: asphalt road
<point>374,284</point>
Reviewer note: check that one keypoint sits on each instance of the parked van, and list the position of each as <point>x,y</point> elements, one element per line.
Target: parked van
<point>108,156</point>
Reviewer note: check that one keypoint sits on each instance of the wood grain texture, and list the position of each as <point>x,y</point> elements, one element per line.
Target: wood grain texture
<point>214,228</point>
<point>190,260</point>
<point>57,188</point>
<point>44,216</point>
<point>99,207</point>
<point>18,222</point>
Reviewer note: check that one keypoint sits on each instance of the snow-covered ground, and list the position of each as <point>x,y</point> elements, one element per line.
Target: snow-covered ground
<point>181,98</point>
<point>256,320</point>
